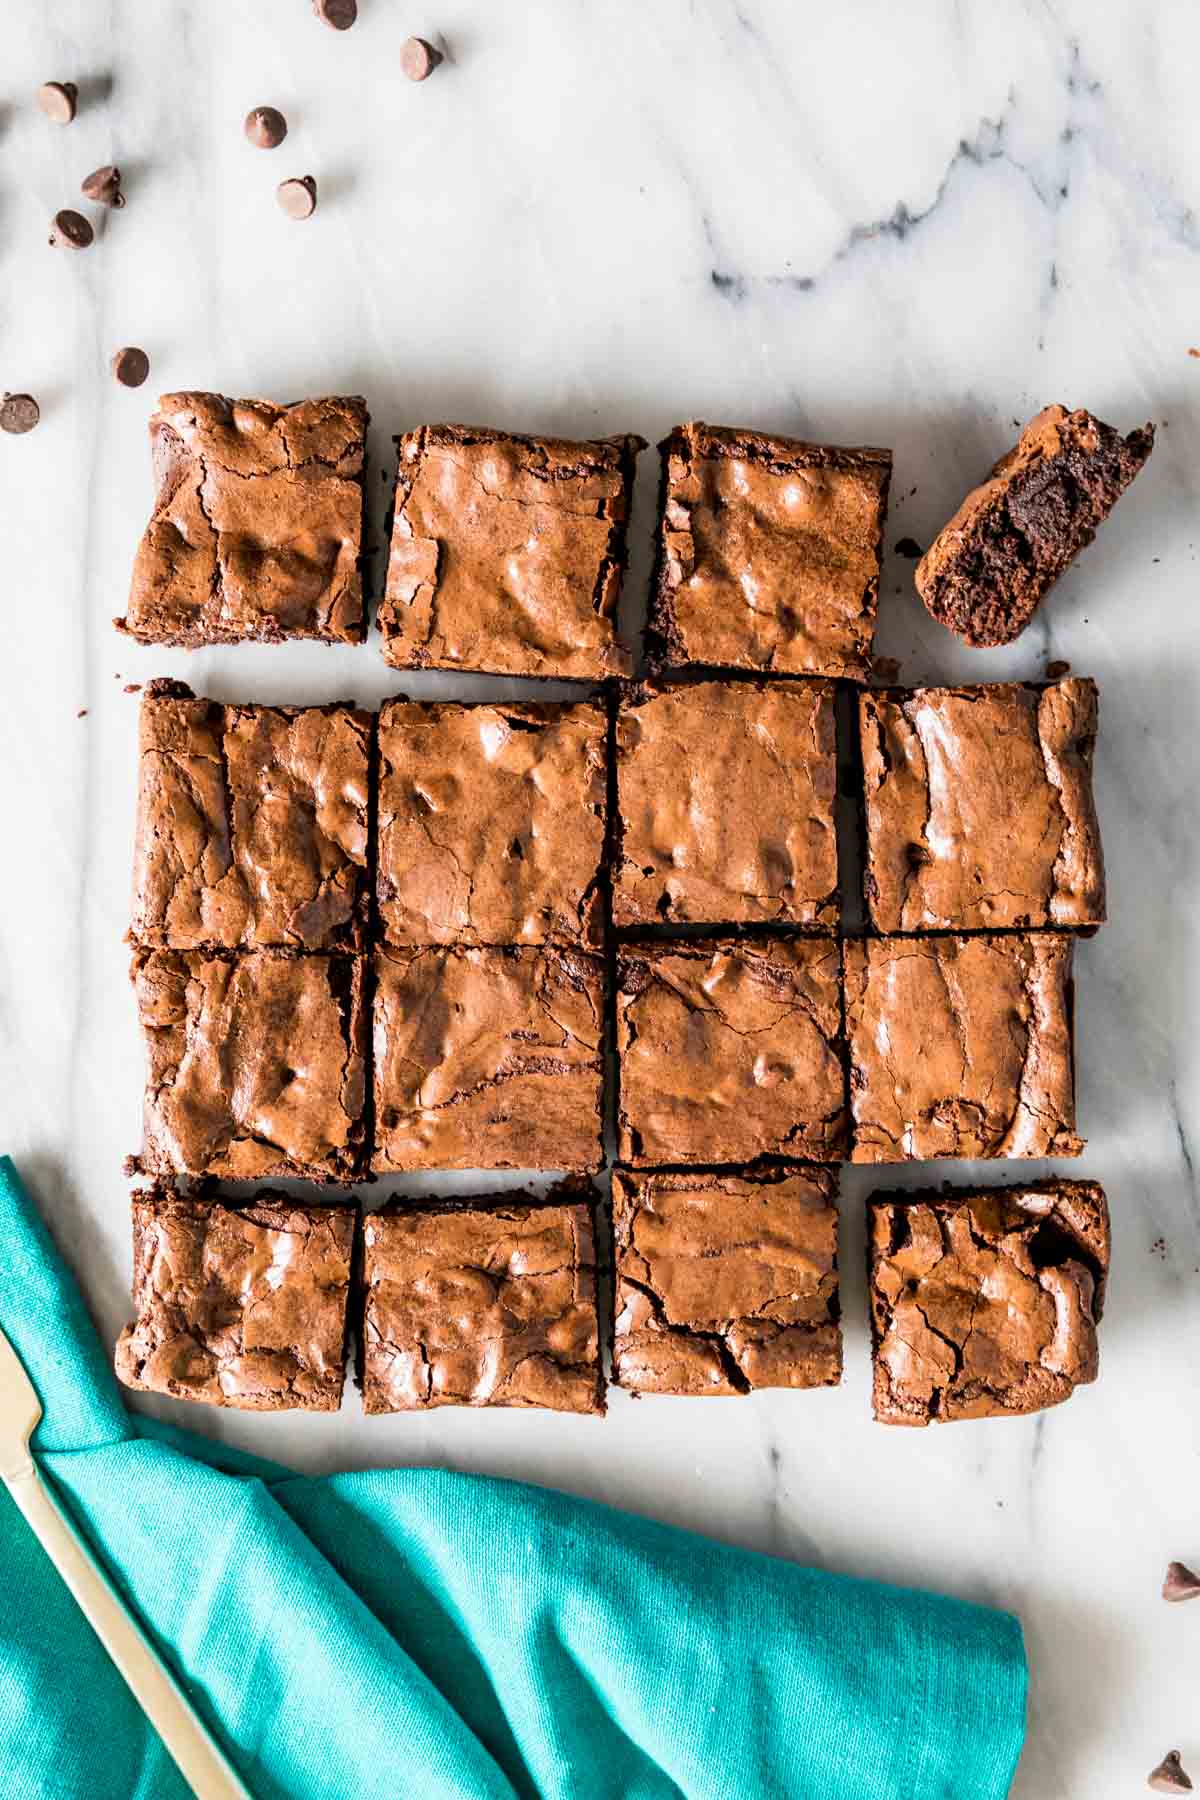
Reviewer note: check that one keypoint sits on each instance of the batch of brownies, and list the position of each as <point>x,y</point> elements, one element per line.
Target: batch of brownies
<point>453,936</point>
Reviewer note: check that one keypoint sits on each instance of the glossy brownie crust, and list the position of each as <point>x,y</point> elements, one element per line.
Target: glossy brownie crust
<point>469,1306</point>
<point>979,810</point>
<point>984,1303</point>
<point>507,553</point>
<point>726,805</point>
<point>769,553</point>
<point>726,1282</point>
<point>257,524</point>
<point>239,1305</point>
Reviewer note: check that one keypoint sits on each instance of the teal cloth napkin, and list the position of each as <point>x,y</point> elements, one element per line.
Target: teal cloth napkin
<point>411,1634</point>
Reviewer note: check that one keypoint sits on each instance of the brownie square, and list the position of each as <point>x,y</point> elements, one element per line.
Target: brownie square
<point>252,824</point>
<point>769,553</point>
<point>984,1303</point>
<point>488,1059</point>
<point>474,1306</point>
<point>239,1304</point>
<point>257,530</point>
<point>730,1051</point>
<point>254,1064</point>
<point>987,570</point>
<point>492,823</point>
<point>961,1046</point>
<point>725,805</point>
<point>507,553</point>
<point>726,1282</point>
<point>979,809</point>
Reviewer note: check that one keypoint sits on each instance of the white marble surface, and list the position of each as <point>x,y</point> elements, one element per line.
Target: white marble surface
<point>898,225</point>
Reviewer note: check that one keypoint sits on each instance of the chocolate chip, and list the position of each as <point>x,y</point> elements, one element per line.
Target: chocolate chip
<point>1180,1583</point>
<point>1055,669</point>
<point>341,14</point>
<point>298,198</point>
<point>103,186</point>
<point>1169,1777</point>
<point>20,413</point>
<point>130,366</point>
<point>265,127</point>
<point>909,547</point>
<point>59,100</point>
<point>418,59</point>
<point>70,230</point>
<point>919,856</point>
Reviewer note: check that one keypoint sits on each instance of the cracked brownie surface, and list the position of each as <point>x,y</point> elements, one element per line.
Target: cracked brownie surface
<point>257,524</point>
<point>726,805</point>
<point>960,1046</point>
<point>491,823</point>
<point>239,1305</point>
<point>507,553</point>
<point>473,1307</point>
<point>984,1303</point>
<point>729,1051</point>
<point>488,1059</point>
<point>726,1283</point>
<point>979,809</point>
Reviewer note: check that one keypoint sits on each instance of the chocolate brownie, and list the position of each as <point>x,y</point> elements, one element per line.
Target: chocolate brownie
<point>725,805</point>
<point>255,1064</point>
<point>961,1046</point>
<point>488,1059</point>
<point>257,530</point>
<point>507,553</point>
<point>252,824</point>
<point>769,553</point>
<point>726,1282</point>
<point>239,1304</point>
<point>979,809</point>
<point>491,823</point>
<point>986,571</point>
<point>729,1051</point>
<point>482,1306</point>
<point>985,1302</point>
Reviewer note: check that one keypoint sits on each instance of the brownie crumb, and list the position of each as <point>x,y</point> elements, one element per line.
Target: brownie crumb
<point>1058,668</point>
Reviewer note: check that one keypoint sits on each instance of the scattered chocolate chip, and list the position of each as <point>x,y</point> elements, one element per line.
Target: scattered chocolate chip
<point>298,198</point>
<point>59,100</point>
<point>266,127</point>
<point>909,547</point>
<point>1057,668</point>
<point>419,59</point>
<point>341,14</point>
<point>82,713</point>
<point>19,413</point>
<point>885,668</point>
<point>1180,1582</point>
<point>1170,1777</point>
<point>130,366</point>
<point>132,687</point>
<point>103,186</point>
<point>70,230</point>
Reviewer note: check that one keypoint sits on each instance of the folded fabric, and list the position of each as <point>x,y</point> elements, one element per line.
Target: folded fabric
<point>412,1633</point>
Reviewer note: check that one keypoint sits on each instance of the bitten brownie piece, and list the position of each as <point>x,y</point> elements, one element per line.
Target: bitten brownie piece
<point>730,1051</point>
<point>769,553</point>
<point>488,1059</point>
<point>960,1046</point>
<point>985,1302</point>
<point>507,553</point>
<point>491,823</point>
<point>257,531</point>
<point>252,824</point>
<point>725,805</point>
<point>986,571</point>
<point>239,1304</point>
<point>255,1064</point>
<point>467,1306</point>
<point>726,1283</point>
<point>979,809</point>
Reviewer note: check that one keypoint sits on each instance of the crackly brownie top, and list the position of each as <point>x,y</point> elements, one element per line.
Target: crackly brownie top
<point>252,824</point>
<point>255,1063</point>
<point>769,553</point>
<point>469,1306</point>
<point>488,1059</point>
<point>730,1051</point>
<point>726,1283</point>
<point>985,1303</point>
<point>507,553</point>
<point>491,823</point>
<point>238,1305</point>
<point>257,523</point>
<point>979,807</point>
<point>726,796</point>
<point>960,1046</point>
